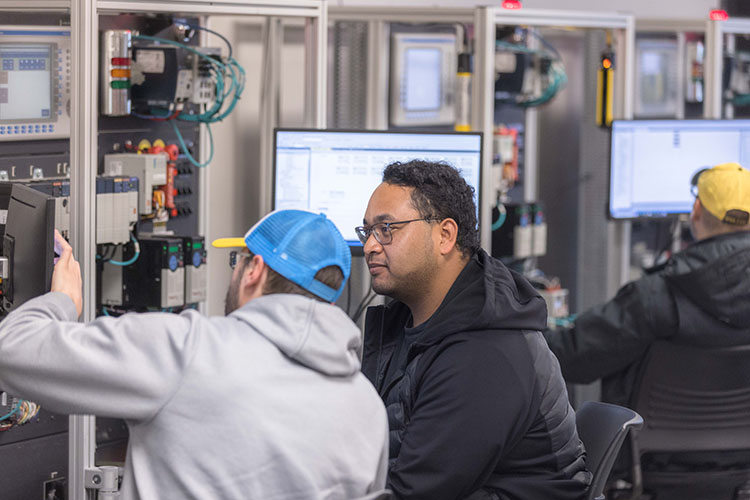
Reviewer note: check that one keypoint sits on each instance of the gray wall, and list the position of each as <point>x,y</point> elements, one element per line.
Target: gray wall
<point>559,160</point>
<point>234,175</point>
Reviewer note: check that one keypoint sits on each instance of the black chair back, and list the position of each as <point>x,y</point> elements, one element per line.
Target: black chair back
<point>694,399</point>
<point>602,427</point>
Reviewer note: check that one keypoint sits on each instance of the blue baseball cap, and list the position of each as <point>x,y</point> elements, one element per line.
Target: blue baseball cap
<point>297,244</point>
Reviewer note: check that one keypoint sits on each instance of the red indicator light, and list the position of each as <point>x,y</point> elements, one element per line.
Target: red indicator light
<point>511,4</point>
<point>606,63</point>
<point>120,61</point>
<point>718,15</point>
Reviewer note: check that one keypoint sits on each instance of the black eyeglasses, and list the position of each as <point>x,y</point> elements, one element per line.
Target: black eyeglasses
<point>382,230</point>
<point>235,256</point>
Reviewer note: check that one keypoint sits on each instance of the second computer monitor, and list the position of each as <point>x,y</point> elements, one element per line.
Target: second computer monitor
<point>334,172</point>
<point>653,162</point>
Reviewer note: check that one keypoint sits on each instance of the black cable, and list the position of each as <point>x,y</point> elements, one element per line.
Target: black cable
<point>208,30</point>
<point>545,43</point>
<point>366,300</point>
<point>670,239</point>
<point>348,295</point>
<point>108,253</point>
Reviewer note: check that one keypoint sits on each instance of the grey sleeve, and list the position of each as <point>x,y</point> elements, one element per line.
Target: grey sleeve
<point>608,337</point>
<point>126,367</point>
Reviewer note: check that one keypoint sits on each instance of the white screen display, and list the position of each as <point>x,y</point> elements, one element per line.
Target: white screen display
<point>653,161</point>
<point>25,81</point>
<point>423,77</point>
<point>335,172</point>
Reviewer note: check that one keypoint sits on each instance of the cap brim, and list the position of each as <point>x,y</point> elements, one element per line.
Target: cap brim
<point>229,243</point>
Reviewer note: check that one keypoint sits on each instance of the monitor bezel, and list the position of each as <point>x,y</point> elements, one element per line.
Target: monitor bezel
<point>356,247</point>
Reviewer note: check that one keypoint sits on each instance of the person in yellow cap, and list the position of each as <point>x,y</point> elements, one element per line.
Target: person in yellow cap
<point>700,296</point>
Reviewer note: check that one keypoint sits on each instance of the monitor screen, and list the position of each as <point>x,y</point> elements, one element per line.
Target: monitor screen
<point>653,161</point>
<point>25,81</point>
<point>424,67</point>
<point>335,172</point>
<point>28,244</point>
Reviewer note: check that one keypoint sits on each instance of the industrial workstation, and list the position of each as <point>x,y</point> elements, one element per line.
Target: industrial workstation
<point>367,250</point>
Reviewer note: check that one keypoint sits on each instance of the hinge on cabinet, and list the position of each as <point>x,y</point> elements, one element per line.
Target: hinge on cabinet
<point>105,479</point>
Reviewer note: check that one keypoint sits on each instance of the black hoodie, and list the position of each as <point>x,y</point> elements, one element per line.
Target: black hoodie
<point>478,406</point>
<point>700,297</point>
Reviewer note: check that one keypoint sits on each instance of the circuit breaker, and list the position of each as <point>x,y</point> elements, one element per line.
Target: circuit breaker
<point>155,280</point>
<point>195,269</point>
<point>514,239</point>
<point>116,208</point>
<point>538,230</point>
<point>151,170</point>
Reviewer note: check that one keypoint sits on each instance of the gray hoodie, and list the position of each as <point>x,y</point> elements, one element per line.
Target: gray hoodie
<point>266,403</point>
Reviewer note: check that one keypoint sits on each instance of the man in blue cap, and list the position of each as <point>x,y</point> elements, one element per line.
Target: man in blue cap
<point>267,402</point>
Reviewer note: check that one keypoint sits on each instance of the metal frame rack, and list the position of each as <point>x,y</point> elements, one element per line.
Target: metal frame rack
<point>714,67</point>
<point>680,29</point>
<point>84,131</point>
<point>485,20</point>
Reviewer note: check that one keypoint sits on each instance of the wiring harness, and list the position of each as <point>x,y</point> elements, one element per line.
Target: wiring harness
<point>550,67</point>
<point>230,83</point>
<point>23,412</point>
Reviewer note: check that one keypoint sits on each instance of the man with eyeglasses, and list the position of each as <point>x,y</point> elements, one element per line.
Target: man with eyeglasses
<point>476,404</point>
<point>265,403</point>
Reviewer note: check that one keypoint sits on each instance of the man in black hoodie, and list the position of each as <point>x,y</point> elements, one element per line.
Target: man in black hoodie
<point>476,403</point>
<point>700,296</point>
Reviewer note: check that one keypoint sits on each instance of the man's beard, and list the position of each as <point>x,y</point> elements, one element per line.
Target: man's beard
<point>232,300</point>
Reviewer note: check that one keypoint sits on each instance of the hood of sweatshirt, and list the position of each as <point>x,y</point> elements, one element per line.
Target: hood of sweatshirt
<point>486,296</point>
<point>715,275</point>
<point>316,334</point>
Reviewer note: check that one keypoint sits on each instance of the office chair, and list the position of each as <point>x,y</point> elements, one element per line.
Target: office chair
<point>693,399</point>
<point>602,427</point>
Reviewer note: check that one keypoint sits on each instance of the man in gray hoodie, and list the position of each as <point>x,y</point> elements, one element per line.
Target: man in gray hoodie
<point>267,402</point>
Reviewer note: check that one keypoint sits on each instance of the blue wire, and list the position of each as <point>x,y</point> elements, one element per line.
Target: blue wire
<point>132,259</point>
<point>185,149</point>
<point>15,410</point>
<point>503,214</point>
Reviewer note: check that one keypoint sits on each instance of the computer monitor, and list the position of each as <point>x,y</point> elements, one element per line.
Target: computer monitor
<point>335,172</point>
<point>35,87</point>
<point>28,244</point>
<point>423,78</point>
<point>653,161</point>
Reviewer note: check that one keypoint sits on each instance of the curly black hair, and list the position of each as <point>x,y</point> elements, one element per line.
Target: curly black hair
<point>441,192</point>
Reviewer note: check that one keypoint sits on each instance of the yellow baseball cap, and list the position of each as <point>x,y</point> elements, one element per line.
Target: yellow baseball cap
<point>724,191</point>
